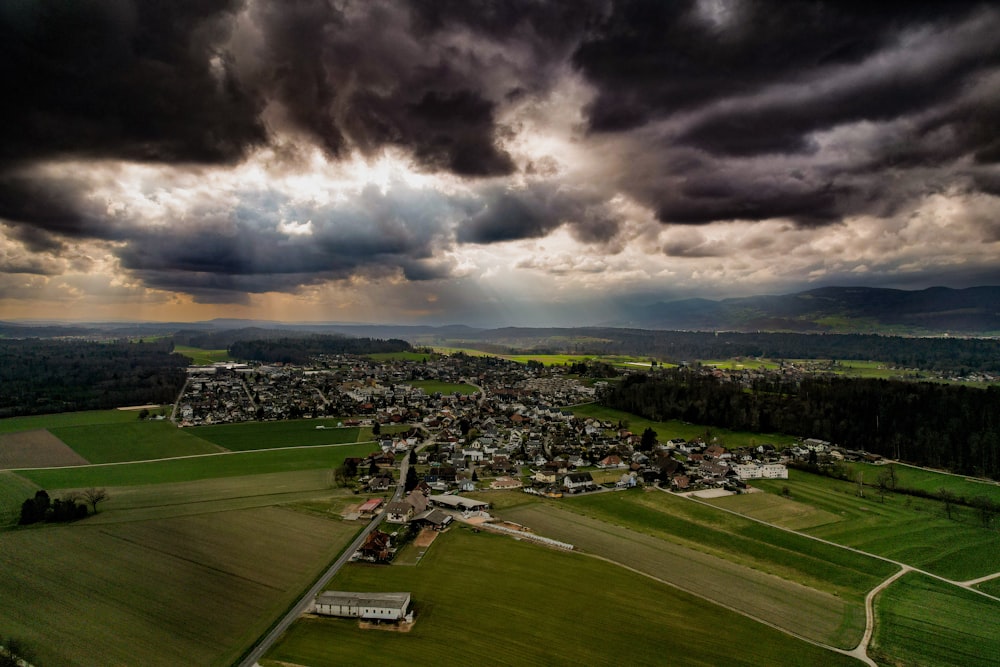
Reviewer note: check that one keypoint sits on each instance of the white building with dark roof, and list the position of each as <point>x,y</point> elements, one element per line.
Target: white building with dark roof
<point>366,606</point>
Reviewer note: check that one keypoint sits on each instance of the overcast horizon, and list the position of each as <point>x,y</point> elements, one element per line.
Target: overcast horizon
<point>488,163</point>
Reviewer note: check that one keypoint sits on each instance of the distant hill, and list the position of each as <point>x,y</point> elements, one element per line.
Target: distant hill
<point>936,310</point>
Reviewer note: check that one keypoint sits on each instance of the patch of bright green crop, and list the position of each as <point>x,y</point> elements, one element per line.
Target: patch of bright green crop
<point>924,621</point>
<point>271,435</point>
<point>202,357</point>
<point>908,477</point>
<point>132,441</point>
<point>434,386</point>
<point>89,417</point>
<point>400,356</point>
<point>200,467</point>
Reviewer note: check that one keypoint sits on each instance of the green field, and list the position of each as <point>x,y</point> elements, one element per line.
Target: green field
<point>818,615</point>
<point>434,386</point>
<point>195,590</point>
<point>272,435</point>
<point>923,621</point>
<point>678,429</point>
<point>491,600</point>
<point>132,441</point>
<point>91,417</point>
<point>909,477</point>
<point>14,490</point>
<point>288,489</point>
<point>201,467</point>
<point>739,540</point>
<point>743,363</point>
<point>991,587</point>
<point>914,531</point>
<point>202,357</point>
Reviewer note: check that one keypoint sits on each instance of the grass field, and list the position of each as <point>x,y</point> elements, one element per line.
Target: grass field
<point>818,615</point>
<point>736,539</point>
<point>776,509</point>
<point>922,621</point>
<point>201,467</point>
<point>911,530</point>
<point>491,600</point>
<point>194,590</point>
<point>433,386</point>
<point>290,489</point>
<point>202,357</point>
<point>271,435</point>
<point>14,490</point>
<point>132,441</point>
<point>927,480</point>
<point>992,587</point>
<point>745,363</point>
<point>678,429</point>
<point>90,417</point>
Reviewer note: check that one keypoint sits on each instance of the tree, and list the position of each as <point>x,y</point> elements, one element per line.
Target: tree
<point>948,498</point>
<point>33,509</point>
<point>93,496</point>
<point>143,414</point>
<point>648,440</point>
<point>411,480</point>
<point>340,476</point>
<point>376,429</point>
<point>413,457</point>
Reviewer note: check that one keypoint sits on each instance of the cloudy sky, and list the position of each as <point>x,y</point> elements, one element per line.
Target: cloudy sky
<point>488,162</point>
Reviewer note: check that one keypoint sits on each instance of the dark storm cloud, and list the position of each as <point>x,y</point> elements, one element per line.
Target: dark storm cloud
<point>358,76</point>
<point>142,81</point>
<point>510,214</point>
<point>269,243</point>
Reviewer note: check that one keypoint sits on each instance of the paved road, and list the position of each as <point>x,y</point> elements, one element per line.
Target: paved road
<point>306,600</point>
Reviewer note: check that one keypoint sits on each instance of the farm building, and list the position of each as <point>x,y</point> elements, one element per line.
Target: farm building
<point>369,507</point>
<point>367,606</point>
<point>398,511</point>
<point>434,518</point>
<point>458,503</point>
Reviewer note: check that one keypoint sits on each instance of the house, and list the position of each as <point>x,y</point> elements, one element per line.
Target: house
<point>545,476</point>
<point>577,481</point>
<point>626,482</point>
<point>506,483</point>
<point>367,606</point>
<point>378,484</point>
<point>611,461</point>
<point>398,511</point>
<point>761,471</point>
<point>377,547</point>
<point>417,500</point>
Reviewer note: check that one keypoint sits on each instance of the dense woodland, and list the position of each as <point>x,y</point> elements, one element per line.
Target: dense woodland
<point>925,423</point>
<point>300,350</point>
<point>42,376</point>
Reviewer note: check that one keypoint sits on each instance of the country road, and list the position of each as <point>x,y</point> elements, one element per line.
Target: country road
<point>265,643</point>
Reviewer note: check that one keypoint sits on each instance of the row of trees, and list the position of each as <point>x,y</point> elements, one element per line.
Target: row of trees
<point>41,507</point>
<point>926,423</point>
<point>300,350</point>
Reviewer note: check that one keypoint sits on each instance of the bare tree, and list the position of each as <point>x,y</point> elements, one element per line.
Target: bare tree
<point>93,496</point>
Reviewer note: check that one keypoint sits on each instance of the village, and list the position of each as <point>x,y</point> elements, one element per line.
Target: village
<point>510,427</point>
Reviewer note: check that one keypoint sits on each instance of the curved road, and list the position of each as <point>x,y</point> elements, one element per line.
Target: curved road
<point>306,600</point>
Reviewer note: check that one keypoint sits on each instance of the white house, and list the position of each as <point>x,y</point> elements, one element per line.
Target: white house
<point>761,471</point>
<point>368,606</point>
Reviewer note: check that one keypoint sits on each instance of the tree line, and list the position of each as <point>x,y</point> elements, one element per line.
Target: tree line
<point>41,376</point>
<point>41,507</point>
<point>301,350</point>
<point>924,423</point>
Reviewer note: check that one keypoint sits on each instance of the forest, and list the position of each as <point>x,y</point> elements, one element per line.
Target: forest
<point>925,423</point>
<point>300,349</point>
<point>48,375</point>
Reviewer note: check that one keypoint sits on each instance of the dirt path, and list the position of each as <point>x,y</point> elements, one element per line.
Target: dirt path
<point>861,650</point>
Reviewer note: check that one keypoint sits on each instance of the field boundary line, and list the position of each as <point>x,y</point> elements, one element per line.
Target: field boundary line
<point>745,614</point>
<point>193,456</point>
<point>901,564</point>
<point>861,650</point>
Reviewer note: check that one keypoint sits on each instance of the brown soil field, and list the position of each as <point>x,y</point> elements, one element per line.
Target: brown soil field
<point>192,590</point>
<point>36,449</point>
<point>425,538</point>
<point>789,605</point>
